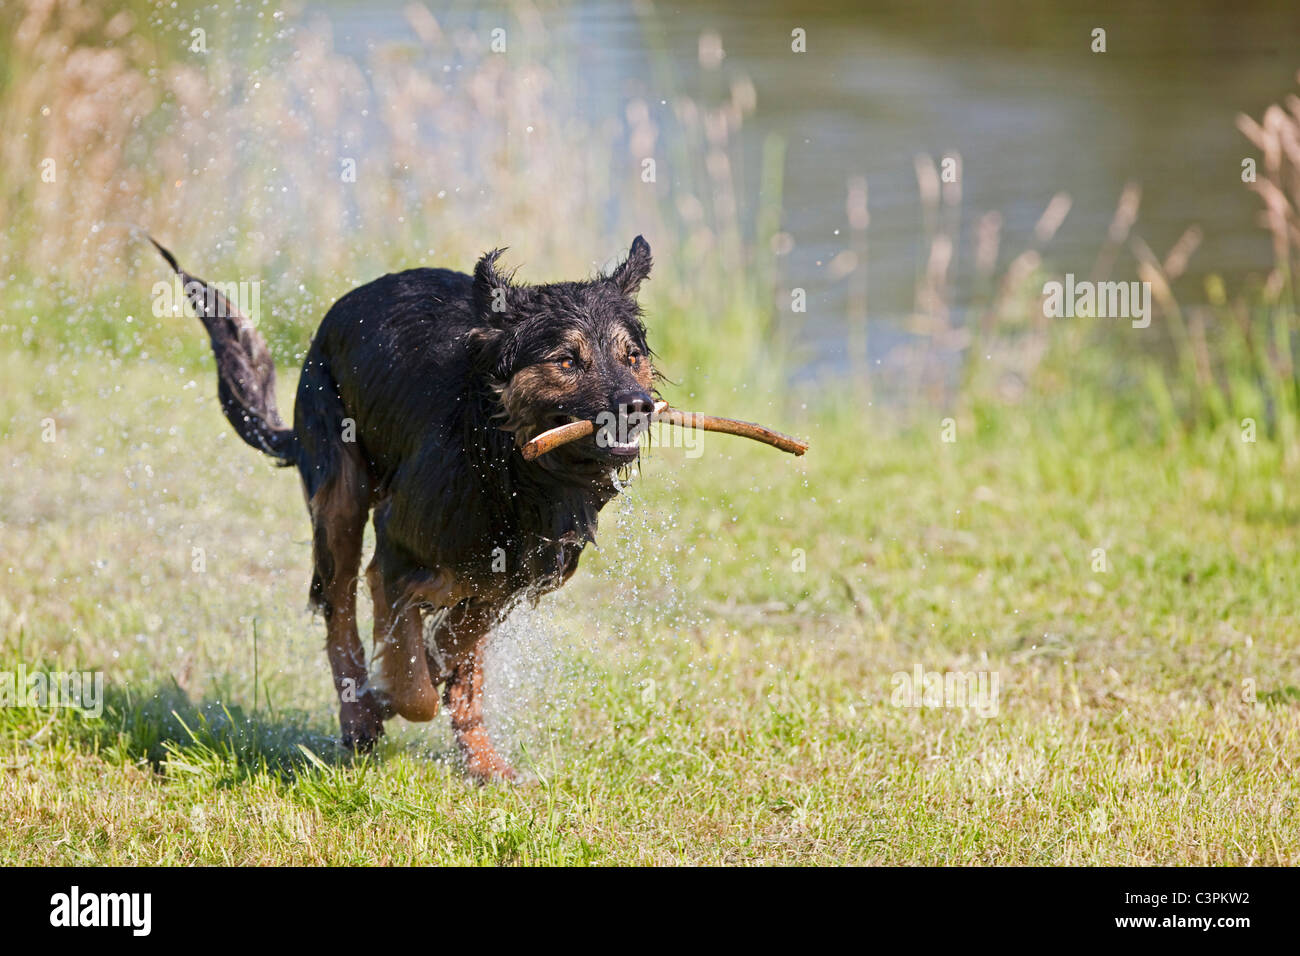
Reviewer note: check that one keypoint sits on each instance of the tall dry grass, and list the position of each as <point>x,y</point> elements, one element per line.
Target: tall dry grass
<point>241,159</point>
<point>1234,353</point>
<point>1225,362</point>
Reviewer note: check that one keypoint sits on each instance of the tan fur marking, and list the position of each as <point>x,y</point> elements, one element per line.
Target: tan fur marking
<point>546,386</point>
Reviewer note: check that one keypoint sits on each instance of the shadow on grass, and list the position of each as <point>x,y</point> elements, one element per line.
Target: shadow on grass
<point>220,742</point>
<point>1284,516</point>
<point>178,735</point>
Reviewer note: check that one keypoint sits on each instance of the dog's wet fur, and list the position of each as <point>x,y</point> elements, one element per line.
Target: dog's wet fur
<point>416,395</point>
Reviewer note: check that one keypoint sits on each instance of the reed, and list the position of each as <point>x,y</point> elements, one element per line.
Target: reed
<point>1233,353</point>
<point>281,159</point>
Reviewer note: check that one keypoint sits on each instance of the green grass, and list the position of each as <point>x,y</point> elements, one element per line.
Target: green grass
<point>691,697</point>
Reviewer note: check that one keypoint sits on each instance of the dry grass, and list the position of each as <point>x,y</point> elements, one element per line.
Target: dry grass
<point>431,149</point>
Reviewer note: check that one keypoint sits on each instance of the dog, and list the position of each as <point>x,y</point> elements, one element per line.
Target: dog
<point>415,397</point>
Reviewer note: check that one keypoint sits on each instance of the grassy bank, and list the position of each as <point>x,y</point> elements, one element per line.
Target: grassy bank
<point>692,696</point>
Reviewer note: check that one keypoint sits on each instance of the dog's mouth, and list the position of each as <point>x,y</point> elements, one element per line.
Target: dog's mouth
<point>608,442</point>
<point>616,438</point>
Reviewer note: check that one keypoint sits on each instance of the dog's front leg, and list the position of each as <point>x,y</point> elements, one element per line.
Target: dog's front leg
<point>465,703</point>
<point>399,673</point>
<point>460,641</point>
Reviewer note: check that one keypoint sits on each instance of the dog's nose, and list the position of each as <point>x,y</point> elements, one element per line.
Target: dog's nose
<point>634,402</point>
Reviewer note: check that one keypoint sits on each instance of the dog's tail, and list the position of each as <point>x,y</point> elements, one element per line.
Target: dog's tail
<point>245,370</point>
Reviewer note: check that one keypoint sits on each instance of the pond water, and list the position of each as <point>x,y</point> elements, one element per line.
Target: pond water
<point>1013,87</point>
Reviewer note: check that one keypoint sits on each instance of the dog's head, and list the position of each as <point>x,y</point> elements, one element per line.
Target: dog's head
<point>568,351</point>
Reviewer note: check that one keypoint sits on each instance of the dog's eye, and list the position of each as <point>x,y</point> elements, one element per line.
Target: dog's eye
<point>567,363</point>
<point>634,358</point>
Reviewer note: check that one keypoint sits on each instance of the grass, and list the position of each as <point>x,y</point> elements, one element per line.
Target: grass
<point>691,697</point>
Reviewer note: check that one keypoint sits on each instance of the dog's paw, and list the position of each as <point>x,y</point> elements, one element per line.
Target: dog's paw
<point>362,725</point>
<point>491,768</point>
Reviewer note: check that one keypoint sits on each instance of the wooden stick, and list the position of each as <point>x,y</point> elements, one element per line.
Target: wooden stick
<point>730,426</point>
<point>555,437</point>
<point>552,439</point>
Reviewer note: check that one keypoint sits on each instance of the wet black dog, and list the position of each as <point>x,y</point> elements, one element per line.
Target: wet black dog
<point>415,397</point>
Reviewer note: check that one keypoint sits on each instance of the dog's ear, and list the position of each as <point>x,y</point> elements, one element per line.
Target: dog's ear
<point>491,352</point>
<point>635,267</point>
<point>491,288</point>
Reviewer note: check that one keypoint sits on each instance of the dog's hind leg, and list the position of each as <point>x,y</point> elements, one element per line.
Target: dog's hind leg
<point>339,494</point>
<point>338,525</point>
